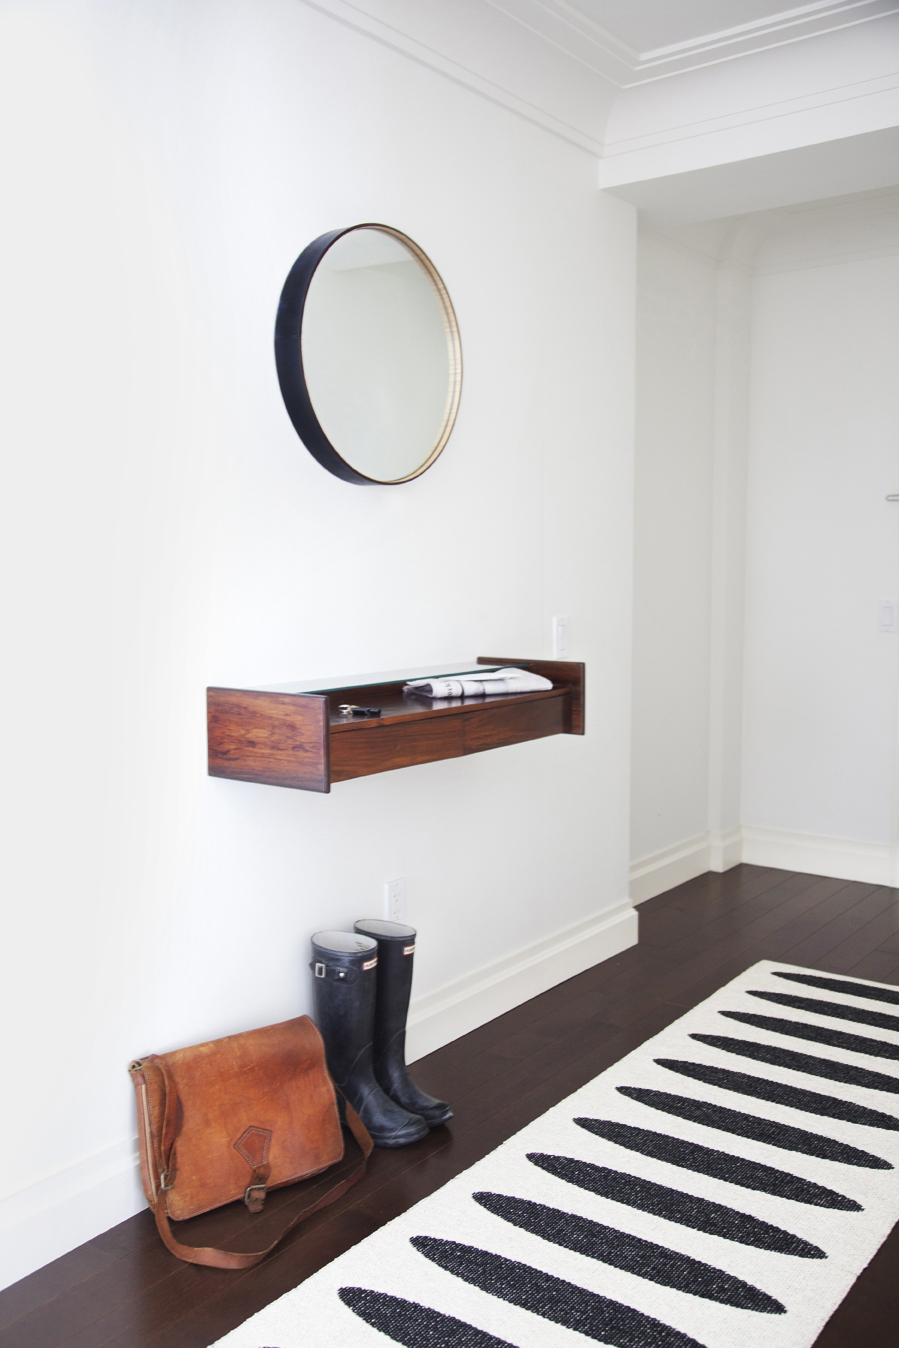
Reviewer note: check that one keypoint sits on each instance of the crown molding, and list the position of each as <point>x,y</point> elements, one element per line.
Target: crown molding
<point>748,39</point>
<point>773,113</point>
<point>569,30</point>
<point>564,26</point>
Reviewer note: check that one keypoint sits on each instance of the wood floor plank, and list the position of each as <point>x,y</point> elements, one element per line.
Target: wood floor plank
<point>34,1292</point>
<point>798,894</point>
<point>868,936</point>
<point>857,912</point>
<point>880,965</point>
<point>836,908</point>
<point>675,928</point>
<point>739,881</point>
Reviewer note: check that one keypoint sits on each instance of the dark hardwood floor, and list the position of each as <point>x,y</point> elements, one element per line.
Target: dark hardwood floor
<point>123,1289</point>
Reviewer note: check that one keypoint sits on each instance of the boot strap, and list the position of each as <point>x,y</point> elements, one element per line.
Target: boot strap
<point>333,971</point>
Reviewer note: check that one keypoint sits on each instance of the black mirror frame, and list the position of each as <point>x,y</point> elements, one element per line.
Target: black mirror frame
<point>289,357</point>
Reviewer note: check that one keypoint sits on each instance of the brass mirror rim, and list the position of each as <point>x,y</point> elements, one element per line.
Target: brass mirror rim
<point>289,356</point>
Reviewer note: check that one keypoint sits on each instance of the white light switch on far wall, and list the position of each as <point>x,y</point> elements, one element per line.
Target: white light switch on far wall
<point>888,615</point>
<point>395,900</point>
<point>560,637</point>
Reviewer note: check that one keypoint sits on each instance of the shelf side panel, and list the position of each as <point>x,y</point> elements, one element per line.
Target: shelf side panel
<point>278,739</point>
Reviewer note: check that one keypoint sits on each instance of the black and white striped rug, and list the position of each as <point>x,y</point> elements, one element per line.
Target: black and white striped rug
<point>723,1186</point>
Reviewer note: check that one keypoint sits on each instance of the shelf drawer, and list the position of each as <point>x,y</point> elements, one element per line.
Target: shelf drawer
<point>379,746</point>
<point>508,723</point>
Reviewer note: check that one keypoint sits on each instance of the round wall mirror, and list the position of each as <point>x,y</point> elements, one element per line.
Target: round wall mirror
<point>368,354</point>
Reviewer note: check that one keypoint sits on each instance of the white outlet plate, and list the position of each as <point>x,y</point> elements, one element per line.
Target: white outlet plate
<point>395,900</point>
<point>888,615</point>
<point>560,637</point>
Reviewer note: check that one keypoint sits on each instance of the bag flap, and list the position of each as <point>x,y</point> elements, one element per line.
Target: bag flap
<point>248,1104</point>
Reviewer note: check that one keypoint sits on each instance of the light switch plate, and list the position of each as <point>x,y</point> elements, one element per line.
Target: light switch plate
<point>888,615</point>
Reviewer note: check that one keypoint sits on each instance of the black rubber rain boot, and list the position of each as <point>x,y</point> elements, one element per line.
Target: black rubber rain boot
<point>344,981</point>
<point>396,947</point>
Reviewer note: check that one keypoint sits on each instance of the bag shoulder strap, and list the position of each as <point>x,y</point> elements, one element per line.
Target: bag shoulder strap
<point>213,1258</point>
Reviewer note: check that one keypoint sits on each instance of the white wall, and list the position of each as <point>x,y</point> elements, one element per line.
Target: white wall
<point>672,545</point>
<point>166,162</point>
<point>690,468</point>
<point>778,547</point>
<point>822,684</point>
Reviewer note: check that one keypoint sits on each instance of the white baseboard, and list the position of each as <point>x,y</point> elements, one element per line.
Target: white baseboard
<point>675,865</point>
<point>46,1220</point>
<point>668,867</point>
<point>726,850</point>
<point>466,1003</point>
<point>49,1218</point>
<point>842,858</point>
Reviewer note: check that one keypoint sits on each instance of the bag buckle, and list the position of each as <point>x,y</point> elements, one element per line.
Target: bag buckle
<point>321,970</point>
<point>167,1180</point>
<point>255,1196</point>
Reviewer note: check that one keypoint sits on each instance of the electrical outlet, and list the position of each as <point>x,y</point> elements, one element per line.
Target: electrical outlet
<point>395,900</point>
<point>888,616</point>
<point>560,637</point>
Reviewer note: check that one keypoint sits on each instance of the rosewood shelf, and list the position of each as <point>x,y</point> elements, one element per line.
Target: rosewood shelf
<point>293,734</point>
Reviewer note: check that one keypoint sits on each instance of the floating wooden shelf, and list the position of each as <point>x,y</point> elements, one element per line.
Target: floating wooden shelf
<point>294,735</point>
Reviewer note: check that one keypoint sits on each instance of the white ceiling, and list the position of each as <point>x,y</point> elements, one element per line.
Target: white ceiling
<point>646,25</point>
<point>811,173</point>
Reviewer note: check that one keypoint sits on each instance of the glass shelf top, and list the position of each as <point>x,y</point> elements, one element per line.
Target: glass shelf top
<point>331,683</point>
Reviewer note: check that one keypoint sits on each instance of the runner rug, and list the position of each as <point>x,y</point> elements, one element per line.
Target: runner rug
<point>723,1185</point>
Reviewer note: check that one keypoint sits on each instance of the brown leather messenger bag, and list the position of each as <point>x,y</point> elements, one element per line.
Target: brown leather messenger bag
<point>233,1119</point>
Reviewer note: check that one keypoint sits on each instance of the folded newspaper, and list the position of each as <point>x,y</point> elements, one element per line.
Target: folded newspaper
<point>477,684</point>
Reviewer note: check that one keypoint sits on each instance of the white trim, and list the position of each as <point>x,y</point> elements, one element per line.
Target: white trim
<point>818,11</point>
<point>586,41</point>
<point>726,850</point>
<point>62,1211</point>
<point>564,26</point>
<point>811,853</point>
<point>752,133</point>
<point>439,1017</point>
<point>842,858</point>
<point>751,39</point>
<point>670,866</point>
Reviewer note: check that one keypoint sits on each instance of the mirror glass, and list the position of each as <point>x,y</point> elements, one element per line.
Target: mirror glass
<point>380,354</point>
